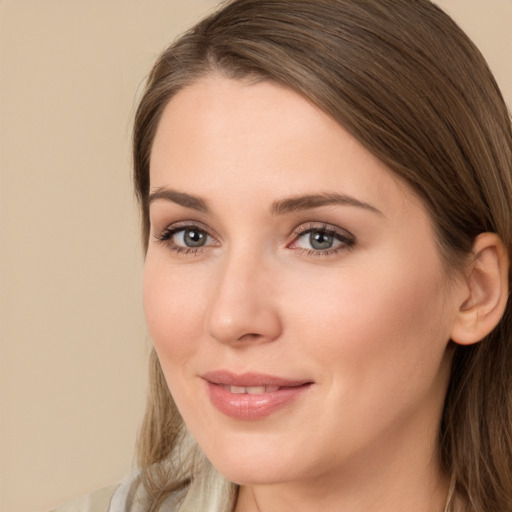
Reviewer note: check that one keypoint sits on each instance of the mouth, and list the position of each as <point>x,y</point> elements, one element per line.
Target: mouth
<point>252,396</point>
<point>250,390</point>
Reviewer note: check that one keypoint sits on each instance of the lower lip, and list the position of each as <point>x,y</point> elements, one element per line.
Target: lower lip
<point>243,406</point>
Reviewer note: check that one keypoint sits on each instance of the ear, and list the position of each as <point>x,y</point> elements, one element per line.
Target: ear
<point>486,291</point>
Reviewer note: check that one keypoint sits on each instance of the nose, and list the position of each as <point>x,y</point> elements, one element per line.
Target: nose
<point>243,308</point>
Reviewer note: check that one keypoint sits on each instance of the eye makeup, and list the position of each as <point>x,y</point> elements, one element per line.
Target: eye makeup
<point>309,239</point>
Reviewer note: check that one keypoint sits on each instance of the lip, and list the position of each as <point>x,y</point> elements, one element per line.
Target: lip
<point>278,392</point>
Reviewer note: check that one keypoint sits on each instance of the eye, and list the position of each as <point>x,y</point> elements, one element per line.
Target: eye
<point>318,240</point>
<point>188,238</point>
<point>322,239</point>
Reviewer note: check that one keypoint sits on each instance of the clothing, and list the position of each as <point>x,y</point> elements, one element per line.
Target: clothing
<point>208,492</point>
<point>97,501</point>
<point>115,498</point>
<point>125,497</point>
<point>129,497</point>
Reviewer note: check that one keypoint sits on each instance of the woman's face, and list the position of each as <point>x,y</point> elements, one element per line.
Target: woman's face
<point>292,289</point>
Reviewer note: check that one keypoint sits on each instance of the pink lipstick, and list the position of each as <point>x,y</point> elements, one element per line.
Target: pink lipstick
<point>251,396</point>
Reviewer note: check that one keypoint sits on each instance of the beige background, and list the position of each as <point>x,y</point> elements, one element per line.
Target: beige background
<point>73,342</point>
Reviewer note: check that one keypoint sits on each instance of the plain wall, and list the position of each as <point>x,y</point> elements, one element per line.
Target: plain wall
<point>73,342</point>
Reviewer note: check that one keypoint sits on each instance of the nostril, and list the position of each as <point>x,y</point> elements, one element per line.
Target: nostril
<point>249,336</point>
<point>233,317</point>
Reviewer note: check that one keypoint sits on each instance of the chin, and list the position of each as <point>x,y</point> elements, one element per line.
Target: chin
<point>247,474</point>
<point>246,466</point>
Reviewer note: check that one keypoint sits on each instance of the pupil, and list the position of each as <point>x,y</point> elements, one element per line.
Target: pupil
<point>320,241</point>
<point>194,238</point>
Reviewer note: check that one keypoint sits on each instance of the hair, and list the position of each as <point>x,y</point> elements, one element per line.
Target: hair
<point>403,79</point>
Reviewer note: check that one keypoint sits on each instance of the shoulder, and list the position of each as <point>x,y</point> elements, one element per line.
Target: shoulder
<point>129,496</point>
<point>115,498</point>
<point>96,501</point>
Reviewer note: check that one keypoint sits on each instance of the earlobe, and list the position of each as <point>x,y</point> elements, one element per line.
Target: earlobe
<point>486,282</point>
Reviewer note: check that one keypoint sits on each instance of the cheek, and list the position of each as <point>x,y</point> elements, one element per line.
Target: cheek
<point>173,307</point>
<point>376,321</point>
<point>377,342</point>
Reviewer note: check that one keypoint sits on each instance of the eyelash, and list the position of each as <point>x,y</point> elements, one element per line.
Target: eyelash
<point>346,239</point>
<point>165,238</point>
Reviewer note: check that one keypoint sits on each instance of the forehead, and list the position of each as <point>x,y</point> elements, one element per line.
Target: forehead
<point>217,111</point>
<point>263,139</point>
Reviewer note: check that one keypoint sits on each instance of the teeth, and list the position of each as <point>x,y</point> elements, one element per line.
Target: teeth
<point>253,390</point>
<point>256,390</point>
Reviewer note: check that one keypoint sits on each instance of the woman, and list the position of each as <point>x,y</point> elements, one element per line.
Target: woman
<point>326,192</point>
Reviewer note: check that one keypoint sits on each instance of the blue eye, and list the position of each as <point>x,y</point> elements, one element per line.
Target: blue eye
<point>322,239</point>
<point>185,238</point>
<point>190,237</point>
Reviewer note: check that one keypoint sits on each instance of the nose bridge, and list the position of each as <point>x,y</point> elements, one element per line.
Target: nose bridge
<point>242,306</point>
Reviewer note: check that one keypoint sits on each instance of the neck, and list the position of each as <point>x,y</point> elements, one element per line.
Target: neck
<point>401,477</point>
<point>407,492</point>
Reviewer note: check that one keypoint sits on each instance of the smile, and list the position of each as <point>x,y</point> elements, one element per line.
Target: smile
<point>251,390</point>
<point>251,396</point>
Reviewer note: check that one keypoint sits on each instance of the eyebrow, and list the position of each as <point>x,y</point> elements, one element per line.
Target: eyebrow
<point>181,198</point>
<point>309,202</point>
<point>280,207</point>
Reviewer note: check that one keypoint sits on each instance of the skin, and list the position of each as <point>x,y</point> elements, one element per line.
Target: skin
<point>367,322</point>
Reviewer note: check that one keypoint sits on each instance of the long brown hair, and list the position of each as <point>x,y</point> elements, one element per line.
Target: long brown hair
<point>406,82</point>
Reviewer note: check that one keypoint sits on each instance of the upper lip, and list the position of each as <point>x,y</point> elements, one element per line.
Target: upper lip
<point>250,379</point>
